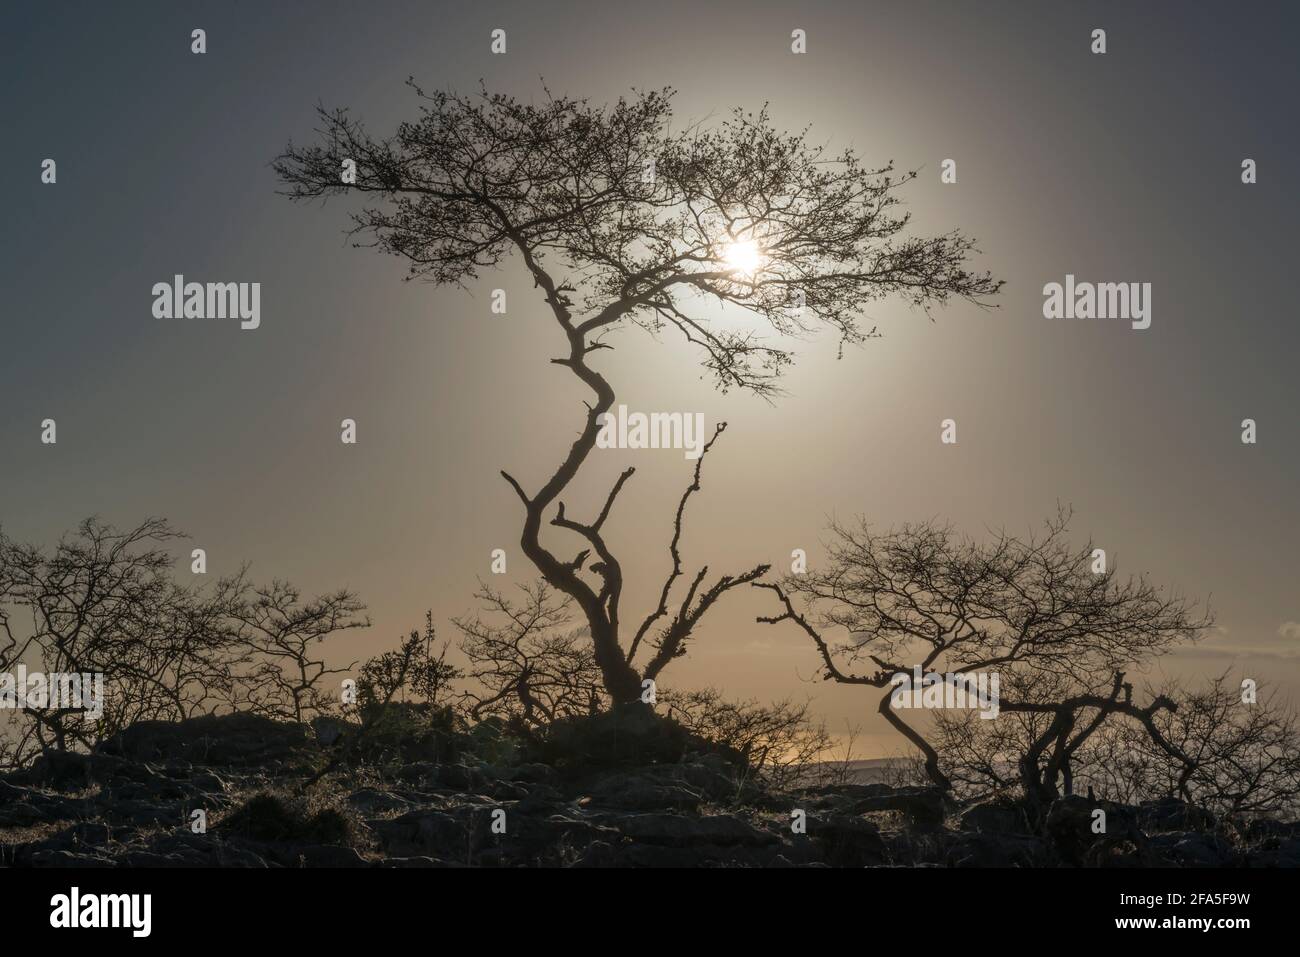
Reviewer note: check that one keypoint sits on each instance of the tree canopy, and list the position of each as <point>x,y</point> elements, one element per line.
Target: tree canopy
<point>620,218</point>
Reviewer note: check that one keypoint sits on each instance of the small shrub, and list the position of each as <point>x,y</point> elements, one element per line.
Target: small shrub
<point>272,816</point>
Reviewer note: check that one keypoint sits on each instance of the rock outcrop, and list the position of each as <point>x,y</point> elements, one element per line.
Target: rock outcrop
<point>620,790</point>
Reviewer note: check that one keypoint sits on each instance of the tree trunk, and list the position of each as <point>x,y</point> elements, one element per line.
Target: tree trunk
<point>621,680</point>
<point>931,756</point>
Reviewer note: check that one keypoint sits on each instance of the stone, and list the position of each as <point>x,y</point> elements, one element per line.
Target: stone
<point>995,817</point>
<point>681,830</point>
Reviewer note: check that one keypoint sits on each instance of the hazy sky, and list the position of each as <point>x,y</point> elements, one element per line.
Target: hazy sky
<point>1123,167</point>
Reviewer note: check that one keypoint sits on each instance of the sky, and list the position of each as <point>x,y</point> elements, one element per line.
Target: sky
<point>1122,167</point>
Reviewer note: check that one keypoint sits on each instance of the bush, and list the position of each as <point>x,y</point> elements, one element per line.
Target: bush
<point>628,735</point>
<point>271,816</point>
<point>402,732</point>
<point>779,741</point>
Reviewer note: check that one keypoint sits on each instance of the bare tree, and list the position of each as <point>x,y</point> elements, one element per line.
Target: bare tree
<point>387,717</point>
<point>1205,746</point>
<point>278,634</point>
<point>1031,609</point>
<point>1234,757</point>
<point>526,658</point>
<point>780,742</point>
<point>419,668</point>
<point>104,603</point>
<point>648,223</point>
<point>1047,765</point>
<point>981,758</point>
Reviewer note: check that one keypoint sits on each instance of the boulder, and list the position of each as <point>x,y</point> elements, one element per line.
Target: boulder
<point>678,830</point>
<point>642,793</point>
<point>1260,830</point>
<point>848,841</point>
<point>224,740</point>
<point>996,817</point>
<point>1171,814</point>
<point>531,774</point>
<point>271,817</point>
<point>1192,849</point>
<point>1285,853</point>
<point>369,801</point>
<point>57,858</point>
<point>232,854</point>
<point>142,814</point>
<point>1069,827</point>
<point>150,859</point>
<point>74,770</point>
<point>330,730</point>
<point>416,862</point>
<point>628,735</point>
<point>985,849</point>
<point>437,833</point>
<point>923,807</point>
<point>321,855</point>
<point>36,807</point>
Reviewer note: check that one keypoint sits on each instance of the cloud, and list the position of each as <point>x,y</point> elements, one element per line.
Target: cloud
<point>1195,651</point>
<point>1219,645</point>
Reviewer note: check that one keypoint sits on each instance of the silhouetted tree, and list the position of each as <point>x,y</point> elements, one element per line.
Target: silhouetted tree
<point>103,602</point>
<point>780,742</point>
<point>279,634</point>
<point>418,668</point>
<point>527,660</point>
<point>1232,757</point>
<point>404,697</point>
<point>1204,746</point>
<point>620,219</point>
<point>1030,609</point>
<point>981,756</point>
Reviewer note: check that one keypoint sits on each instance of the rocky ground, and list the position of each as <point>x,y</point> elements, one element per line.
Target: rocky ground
<point>619,792</point>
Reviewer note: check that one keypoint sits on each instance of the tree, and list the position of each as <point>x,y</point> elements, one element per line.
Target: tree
<point>1033,610</point>
<point>386,726</point>
<point>1043,740</point>
<point>278,634</point>
<point>526,658</point>
<point>1232,757</point>
<point>415,668</point>
<point>620,220</point>
<point>104,603</point>
<point>780,742</point>
<point>1205,746</point>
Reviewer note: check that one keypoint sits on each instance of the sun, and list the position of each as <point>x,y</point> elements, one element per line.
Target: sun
<point>743,256</point>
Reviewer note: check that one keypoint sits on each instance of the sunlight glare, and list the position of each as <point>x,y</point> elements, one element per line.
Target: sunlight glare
<point>742,256</point>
